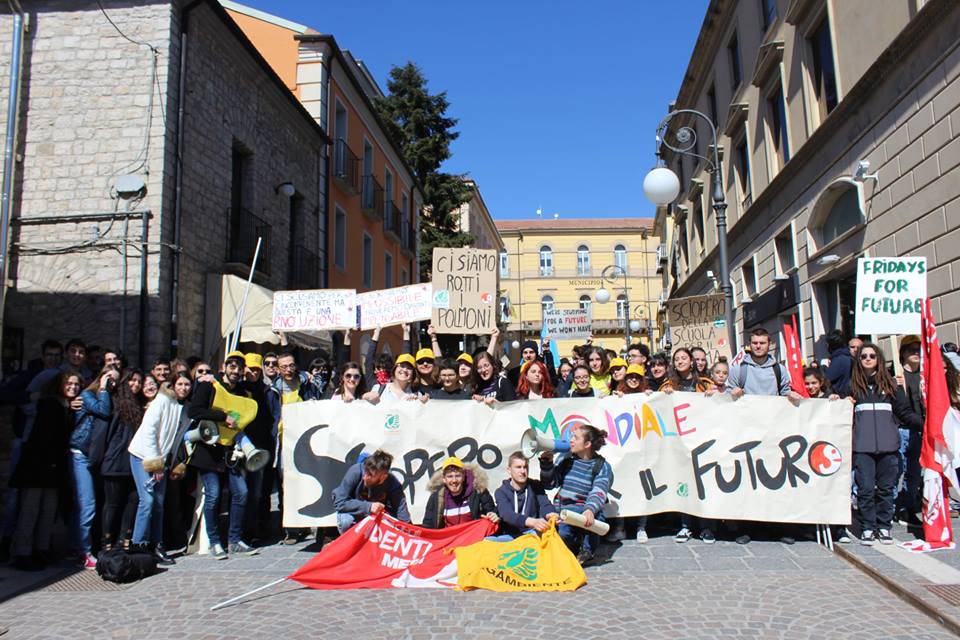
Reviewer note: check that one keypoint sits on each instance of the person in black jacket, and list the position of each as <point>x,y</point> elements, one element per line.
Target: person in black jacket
<point>841,363</point>
<point>109,451</point>
<point>459,495</point>
<point>449,377</point>
<point>488,385</point>
<point>213,460</point>
<point>878,406</point>
<point>42,470</point>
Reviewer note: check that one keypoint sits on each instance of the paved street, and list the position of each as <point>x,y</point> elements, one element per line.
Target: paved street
<point>662,589</point>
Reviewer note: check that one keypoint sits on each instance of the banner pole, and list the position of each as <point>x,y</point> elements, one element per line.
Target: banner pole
<point>235,339</point>
<point>244,595</point>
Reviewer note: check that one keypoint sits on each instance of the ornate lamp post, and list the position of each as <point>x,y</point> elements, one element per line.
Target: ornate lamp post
<point>662,187</point>
<point>611,273</point>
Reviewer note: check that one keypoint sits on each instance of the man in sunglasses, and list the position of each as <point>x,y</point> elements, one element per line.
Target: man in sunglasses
<point>263,433</point>
<point>270,369</point>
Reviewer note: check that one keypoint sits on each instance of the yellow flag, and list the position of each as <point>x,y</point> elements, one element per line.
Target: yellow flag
<point>528,563</point>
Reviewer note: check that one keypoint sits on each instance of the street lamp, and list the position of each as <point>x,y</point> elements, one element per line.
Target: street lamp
<point>662,187</point>
<point>610,274</point>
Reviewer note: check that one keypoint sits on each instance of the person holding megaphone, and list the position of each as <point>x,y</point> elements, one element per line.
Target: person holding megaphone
<point>150,454</point>
<point>583,478</point>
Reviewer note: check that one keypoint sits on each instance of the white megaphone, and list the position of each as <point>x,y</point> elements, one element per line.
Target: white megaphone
<point>255,458</point>
<point>531,444</point>
<point>206,431</point>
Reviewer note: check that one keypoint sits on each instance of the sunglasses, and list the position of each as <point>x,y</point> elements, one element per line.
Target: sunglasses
<point>269,363</point>
<point>351,376</point>
<point>419,362</point>
<point>868,356</point>
<point>203,372</point>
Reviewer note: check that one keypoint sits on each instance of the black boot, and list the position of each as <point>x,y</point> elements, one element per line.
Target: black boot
<point>162,558</point>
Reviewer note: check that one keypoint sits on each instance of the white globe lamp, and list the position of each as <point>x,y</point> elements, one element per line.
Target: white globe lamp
<point>515,344</point>
<point>602,295</point>
<point>661,186</point>
<point>634,325</point>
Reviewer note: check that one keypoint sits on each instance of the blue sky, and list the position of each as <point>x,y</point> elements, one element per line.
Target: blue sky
<point>557,101</point>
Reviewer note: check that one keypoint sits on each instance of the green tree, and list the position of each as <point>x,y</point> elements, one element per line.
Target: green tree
<point>417,121</point>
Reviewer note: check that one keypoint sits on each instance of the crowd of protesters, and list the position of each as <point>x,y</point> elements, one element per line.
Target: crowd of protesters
<point>108,447</point>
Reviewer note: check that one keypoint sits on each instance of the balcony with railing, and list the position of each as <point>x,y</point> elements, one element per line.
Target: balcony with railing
<point>346,167</point>
<point>304,269</point>
<point>371,197</point>
<point>243,229</point>
<point>391,219</point>
<point>408,236</point>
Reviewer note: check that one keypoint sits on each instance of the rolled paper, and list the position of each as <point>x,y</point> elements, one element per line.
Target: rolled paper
<point>577,520</point>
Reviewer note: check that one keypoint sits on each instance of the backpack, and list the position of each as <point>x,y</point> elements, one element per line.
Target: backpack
<point>121,566</point>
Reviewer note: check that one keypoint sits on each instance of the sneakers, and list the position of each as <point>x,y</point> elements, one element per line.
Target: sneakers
<point>217,552</point>
<point>584,557</point>
<point>884,537</point>
<point>843,537</point>
<point>867,539</point>
<point>89,561</point>
<point>163,559</point>
<point>642,536</point>
<point>743,539</point>
<point>707,536</point>
<point>242,549</point>
<point>682,536</point>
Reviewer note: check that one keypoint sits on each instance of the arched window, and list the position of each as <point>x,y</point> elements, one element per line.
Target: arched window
<point>583,260</point>
<point>546,261</point>
<point>546,304</point>
<point>585,302</point>
<point>620,256</point>
<point>838,210</point>
<point>623,307</point>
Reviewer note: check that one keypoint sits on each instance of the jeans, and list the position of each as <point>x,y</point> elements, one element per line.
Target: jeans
<point>575,536</point>
<point>345,521</point>
<point>84,502</point>
<point>876,475</point>
<point>149,524</point>
<point>211,500</point>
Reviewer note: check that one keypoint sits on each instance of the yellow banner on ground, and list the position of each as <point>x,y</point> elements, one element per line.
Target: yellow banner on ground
<point>528,563</point>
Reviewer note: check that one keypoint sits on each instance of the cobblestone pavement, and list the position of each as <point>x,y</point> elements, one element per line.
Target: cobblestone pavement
<point>658,590</point>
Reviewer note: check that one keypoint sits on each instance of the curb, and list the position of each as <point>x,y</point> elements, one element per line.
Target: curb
<point>939,615</point>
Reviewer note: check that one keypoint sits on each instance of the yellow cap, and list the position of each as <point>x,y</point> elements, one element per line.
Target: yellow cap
<point>635,370</point>
<point>465,357</point>
<point>452,461</point>
<point>235,354</point>
<point>253,360</point>
<point>617,362</point>
<point>426,354</point>
<point>405,358</point>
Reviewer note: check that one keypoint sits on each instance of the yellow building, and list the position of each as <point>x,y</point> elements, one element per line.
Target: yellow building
<point>561,263</point>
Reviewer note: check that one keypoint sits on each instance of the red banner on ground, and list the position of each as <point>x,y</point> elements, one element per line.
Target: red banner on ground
<point>382,553</point>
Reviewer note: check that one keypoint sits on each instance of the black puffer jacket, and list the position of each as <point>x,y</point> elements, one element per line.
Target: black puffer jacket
<point>877,418</point>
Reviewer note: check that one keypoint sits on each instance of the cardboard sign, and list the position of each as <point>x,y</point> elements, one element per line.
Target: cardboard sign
<point>314,310</point>
<point>394,306</point>
<point>890,294</point>
<point>699,321</point>
<point>567,324</point>
<point>464,290</point>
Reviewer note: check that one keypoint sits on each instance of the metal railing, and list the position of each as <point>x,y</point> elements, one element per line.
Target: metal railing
<point>371,196</point>
<point>391,218</point>
<point>243,229</point>
<point>346,166</point>
<point>304,269</point>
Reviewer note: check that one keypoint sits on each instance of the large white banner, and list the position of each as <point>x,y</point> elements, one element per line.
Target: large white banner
<point>314,309</point>
<point>757,458</point>
<point>387,307</point>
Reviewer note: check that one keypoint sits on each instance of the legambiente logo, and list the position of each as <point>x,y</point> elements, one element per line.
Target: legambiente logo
<point>391,422</point>
<point>522,563</point>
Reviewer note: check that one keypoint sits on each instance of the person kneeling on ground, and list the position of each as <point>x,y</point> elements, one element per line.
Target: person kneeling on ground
<point>459,495</point>
<point>583,478</point>
<point>367,489</point>
<point>522,503</point>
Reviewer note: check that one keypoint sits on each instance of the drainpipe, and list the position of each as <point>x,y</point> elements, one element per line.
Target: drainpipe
<point>144,292</point>
<point>10,147</point>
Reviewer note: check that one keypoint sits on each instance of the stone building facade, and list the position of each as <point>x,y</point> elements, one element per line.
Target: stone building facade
<point>838,121</point>
<point>101,101</point>
<point>474,218</point>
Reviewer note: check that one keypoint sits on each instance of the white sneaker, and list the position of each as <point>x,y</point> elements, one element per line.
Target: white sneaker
<point>844,537</point>
<point>217,552</point>
<point>642,536</point>
<point>682,536</point>
<point>867,539</point>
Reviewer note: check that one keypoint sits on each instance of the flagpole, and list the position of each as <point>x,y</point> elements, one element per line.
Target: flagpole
<point>248,593</point>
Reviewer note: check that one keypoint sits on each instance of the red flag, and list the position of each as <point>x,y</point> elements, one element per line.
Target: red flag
<point>939,472</point>
<point>380,552</point>
<point>794,359</point>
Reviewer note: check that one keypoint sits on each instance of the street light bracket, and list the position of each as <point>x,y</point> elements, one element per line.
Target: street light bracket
<point>685,138</point>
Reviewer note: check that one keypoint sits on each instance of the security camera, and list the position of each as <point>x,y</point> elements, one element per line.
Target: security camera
<point>710,274</point>
<point>860,175</point>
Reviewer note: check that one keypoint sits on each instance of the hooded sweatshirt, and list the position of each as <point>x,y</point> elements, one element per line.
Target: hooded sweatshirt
<point>516,506</point>
<point>759,379</point>
<point>444,509</point>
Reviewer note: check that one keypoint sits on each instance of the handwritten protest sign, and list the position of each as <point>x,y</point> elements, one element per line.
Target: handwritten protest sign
<point>698,321</point>
<point>314,310</point>
<point>890,294</point>
<point>464,290</point>
<point>394,306</point>
<point>567,324</point>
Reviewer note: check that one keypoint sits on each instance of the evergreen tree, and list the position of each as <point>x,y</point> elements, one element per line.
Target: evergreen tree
<point>417,121</point>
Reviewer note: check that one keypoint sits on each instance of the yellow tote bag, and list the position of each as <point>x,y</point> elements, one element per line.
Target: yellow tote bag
<point>528,563</point>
